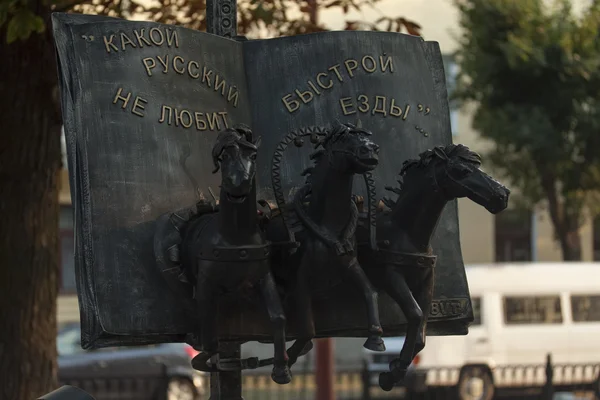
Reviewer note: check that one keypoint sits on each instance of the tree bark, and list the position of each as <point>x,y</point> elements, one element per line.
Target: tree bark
<point>29,247</point>
<point>566,227</point>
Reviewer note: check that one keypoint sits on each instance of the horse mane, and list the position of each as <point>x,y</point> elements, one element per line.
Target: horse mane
<point>449,151</point>
<point>425,158</point>
<point>239,135</point>
<point>334,134</point>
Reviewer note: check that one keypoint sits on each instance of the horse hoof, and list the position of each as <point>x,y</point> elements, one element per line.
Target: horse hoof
<point>281,375</point>
<point>374,343</point>
<point>386,381</point>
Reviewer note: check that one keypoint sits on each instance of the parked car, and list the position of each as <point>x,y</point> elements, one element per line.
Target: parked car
<point>133,372</point>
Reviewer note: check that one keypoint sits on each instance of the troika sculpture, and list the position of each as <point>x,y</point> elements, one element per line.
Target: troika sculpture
<point>229,190</point>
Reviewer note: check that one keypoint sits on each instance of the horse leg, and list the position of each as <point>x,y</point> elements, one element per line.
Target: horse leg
<point>354,271</point>
<point>306,325</point>
<point>398,289</point>
<point>207,304</point>
<point>281,372</point>
<point>424,297</point>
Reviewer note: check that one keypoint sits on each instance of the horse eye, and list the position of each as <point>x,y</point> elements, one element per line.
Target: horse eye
<point>253,156</point>
<point>462,171</point>
<point>224,156</point>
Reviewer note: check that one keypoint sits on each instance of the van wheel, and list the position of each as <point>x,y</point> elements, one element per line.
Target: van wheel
<point>475,383</point>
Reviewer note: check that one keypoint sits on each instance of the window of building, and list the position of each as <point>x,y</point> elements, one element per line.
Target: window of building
<point>67,251</point>
<point>585,308</point>
<point>451,71</point>
<point>476,303</point>
<point>513,235</point>
<point>521,310</point>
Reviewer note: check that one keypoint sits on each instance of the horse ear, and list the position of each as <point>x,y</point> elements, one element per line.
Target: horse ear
<point>258,141</point>
<point>438,151</point>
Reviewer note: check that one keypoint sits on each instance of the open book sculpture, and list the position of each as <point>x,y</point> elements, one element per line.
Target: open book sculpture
<point>151,111</point>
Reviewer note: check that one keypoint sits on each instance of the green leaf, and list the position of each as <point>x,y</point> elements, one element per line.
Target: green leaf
<point>23,23</point>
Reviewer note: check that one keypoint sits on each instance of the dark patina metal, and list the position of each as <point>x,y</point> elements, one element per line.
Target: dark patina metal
<point>403,264</point>
<point>225,252</point>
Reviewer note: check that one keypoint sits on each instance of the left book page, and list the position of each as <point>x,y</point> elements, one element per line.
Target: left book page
<point>142,104</point>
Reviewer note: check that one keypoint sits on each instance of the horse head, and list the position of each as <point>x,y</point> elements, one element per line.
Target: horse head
<point>234,153</point>
<point>350,149</point>
<point>455,172</point>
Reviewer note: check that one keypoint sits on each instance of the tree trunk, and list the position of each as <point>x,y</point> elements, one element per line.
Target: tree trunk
<point>29,248</point>
<point>566,226</point>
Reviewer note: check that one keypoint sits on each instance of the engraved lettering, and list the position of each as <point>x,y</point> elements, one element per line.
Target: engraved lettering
<point>344,103</point>
<point>162,115</point>
<point>189,118</point>
<point>173,39</point>
<point>206,76</point>
<point>177,117</point>
<point>223,115</point>
<point>213,121</point>
<point>387,63</point>
<point>149,63</point>
<point>406,110</point>
<point>179,71</point>
<point>200,122</point>
<point>157,37</point>
<point>220,84</point>
<point>337,73</point>
<point>291,105</point>
<point>371,60</point>
<point>320,83</point>
<point>189,69</point>
<point>394,109</point>
<point>136,105</point>
<point>124,99</point>
<point>302,96</point>
<point>313,87</point>
<point>140,38</point>
<point>108,43</point>
<point>381,110</point>
<point>233,96</point>
<point>125,40</point>
<point>164,63</point>
<point>351,65</point>
<point>364,100</point>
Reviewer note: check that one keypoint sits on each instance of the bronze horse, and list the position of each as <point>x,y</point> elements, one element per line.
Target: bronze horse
<point>225,251</point>
<point>326,209</point>
<point>404,263</point>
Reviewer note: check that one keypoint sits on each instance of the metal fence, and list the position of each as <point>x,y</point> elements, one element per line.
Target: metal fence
<point>541,382</point>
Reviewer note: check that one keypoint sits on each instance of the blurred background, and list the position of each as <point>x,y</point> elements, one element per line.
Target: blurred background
<point>523,79</point>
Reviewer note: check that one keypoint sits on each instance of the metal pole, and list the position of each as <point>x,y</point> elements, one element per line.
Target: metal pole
<point>221,18</point>
<point>227,385</point>
<point>324,371</point>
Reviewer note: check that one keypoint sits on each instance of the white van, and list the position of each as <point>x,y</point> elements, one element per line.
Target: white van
<point>522,313</point>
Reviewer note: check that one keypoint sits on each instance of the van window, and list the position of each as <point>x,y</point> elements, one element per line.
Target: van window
<point>520,310</point>
<point>585,308</point>
<point>476,302</point>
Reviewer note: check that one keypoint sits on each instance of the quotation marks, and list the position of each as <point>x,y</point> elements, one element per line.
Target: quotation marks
<point>421,130</point>
<point>422,108</point>
<point>87,38</point>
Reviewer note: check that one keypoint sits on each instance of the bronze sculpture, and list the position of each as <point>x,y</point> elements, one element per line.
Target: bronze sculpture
<point>226,250</point>
<point>325,208</point>
<point>404,263</point>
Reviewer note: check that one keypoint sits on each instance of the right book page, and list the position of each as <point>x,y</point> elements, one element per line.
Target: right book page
<point>395,85</point>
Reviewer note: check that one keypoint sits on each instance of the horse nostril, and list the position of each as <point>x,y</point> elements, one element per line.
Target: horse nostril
<point>375,149</point>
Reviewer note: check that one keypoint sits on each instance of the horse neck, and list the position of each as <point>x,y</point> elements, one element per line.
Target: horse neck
<point>331,195</point>
<point>238,222</point>
<point>418,211</point>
